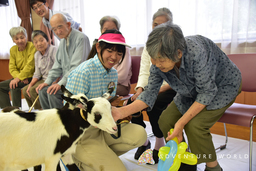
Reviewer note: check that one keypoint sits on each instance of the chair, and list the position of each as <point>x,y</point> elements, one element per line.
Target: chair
<point>243,114</point>
<point>135,73</point>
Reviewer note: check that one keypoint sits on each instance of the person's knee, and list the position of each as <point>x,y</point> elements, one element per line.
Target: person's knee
<point>193,127</point>
<point>138,136</point>
<point>24,91</point>
<point>86,160</point>
<point>162,122</point>
<point>33,92</point>
<point>42,92</point>
<point>54,98</point>
<point>16,92</point>
<point>51,96</point>
<point>17,89</point>
<point>166,122</point>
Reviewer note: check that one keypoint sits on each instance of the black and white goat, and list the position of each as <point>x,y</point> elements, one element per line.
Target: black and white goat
<point>30,139</point>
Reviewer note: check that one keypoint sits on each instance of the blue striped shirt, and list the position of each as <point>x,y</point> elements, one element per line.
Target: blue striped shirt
<point>91,79</point>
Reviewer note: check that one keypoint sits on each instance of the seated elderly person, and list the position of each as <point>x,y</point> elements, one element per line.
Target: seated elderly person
<point>21,68</point>
<point>73,49</point>
<point>44,59</point>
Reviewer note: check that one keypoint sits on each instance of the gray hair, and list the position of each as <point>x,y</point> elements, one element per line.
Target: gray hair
<point>16,30</point>
<point>163,11</point>
<point>38,32</point>
<point>165,40</point>
<point>110,18</point>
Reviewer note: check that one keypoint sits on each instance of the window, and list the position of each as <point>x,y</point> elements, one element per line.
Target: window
<point>229,23</point>
<point>223,21</point>
<point>9,18</point>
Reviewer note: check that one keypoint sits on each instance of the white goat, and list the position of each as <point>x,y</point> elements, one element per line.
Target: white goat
<point>30,139</point>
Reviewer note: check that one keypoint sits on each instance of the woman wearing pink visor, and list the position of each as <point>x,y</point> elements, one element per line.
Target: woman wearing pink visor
<point>98,150</point>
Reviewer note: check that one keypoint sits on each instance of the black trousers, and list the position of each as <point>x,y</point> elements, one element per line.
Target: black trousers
<point>162,101</point>
<point>15,93</point>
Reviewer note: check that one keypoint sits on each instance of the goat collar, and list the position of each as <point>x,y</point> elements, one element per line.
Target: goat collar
<point>82,114</point>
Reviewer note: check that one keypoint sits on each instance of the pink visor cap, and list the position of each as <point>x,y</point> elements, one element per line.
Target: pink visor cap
<point>113,38</point>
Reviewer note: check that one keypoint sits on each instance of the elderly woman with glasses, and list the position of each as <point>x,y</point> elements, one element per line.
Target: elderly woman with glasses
<point>205,80</point>
<point>44,59</point>
<point>21,68</point>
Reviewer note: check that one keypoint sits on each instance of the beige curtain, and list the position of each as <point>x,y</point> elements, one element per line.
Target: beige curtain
<point>23,10</point>
<point>45,29</point>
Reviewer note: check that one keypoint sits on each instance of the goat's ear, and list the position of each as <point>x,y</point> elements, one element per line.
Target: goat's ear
<point>111,87</point>
<point>73,102</point>
<point>65,91</point>
<point>66,98</point>
<point>83,100</point>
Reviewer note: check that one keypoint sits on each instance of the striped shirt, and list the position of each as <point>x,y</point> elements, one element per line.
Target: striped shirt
<point>91,79</point>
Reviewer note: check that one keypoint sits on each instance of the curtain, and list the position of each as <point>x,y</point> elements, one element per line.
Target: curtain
<point>231,24</point>
<point>23,9</point>
<point>243,28</point>
<point>46,30</point>
<point>9,19</point>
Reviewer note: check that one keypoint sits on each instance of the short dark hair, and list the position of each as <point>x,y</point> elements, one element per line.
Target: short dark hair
<point>33,2</point>
<point>39,32</point>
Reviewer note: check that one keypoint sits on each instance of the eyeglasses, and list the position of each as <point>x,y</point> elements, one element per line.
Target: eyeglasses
<point>59,27</point>
<point>38,6</point>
